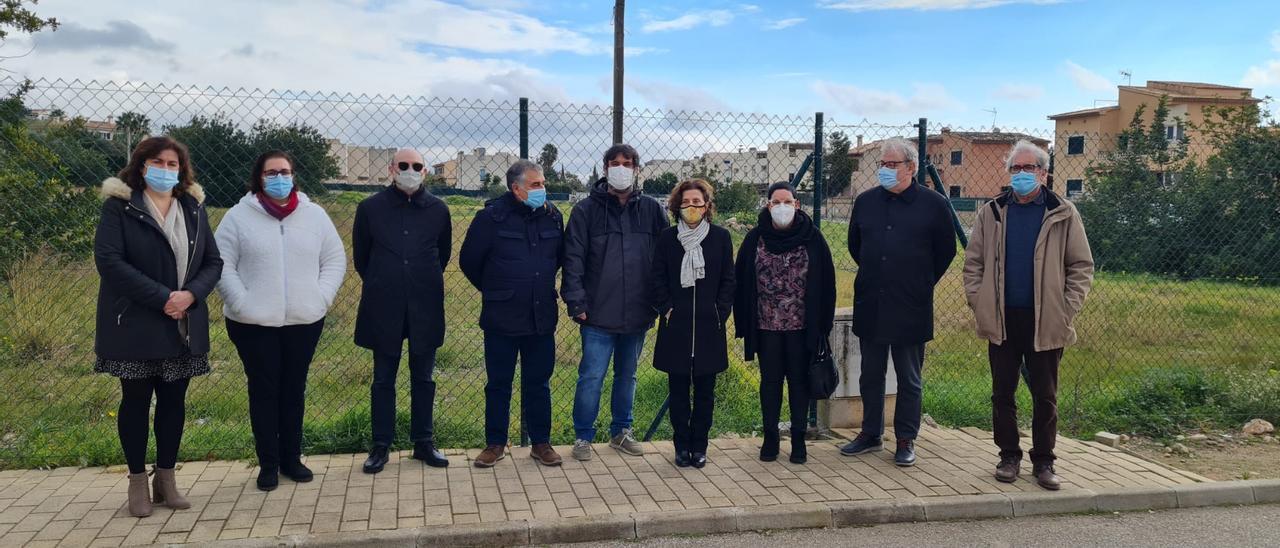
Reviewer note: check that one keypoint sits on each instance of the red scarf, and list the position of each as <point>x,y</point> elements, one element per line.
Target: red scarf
<point>276,210</point>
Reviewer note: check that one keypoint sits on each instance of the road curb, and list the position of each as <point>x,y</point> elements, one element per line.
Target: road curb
<point>792,516</point>
<point>1214,494</point>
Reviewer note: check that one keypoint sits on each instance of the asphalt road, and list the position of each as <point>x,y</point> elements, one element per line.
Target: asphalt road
<point>1226,526</point>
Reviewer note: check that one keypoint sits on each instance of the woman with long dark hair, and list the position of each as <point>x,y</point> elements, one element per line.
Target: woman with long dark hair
<point>158,262</point>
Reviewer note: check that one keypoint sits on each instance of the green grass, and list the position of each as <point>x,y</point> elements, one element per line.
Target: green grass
<point>57,412</point>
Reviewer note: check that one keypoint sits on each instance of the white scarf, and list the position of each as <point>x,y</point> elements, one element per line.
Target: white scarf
<point>693,267</point>
<point>174,225</point>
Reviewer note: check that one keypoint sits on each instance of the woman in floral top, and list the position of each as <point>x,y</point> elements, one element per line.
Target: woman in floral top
<point>784,309</point>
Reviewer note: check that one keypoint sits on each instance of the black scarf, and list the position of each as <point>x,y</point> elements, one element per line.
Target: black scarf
<point>782,241</point>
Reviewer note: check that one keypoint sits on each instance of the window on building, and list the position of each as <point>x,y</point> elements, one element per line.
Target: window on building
<point>1174,133</point>
<point>791,175</point>
<point>954,191</point>
<point>857,163</point>
<point>1075,144</point>
<point>484,175</point>
<point>957,156</point>
<point>1004,188</point>
<point>1074,187</point>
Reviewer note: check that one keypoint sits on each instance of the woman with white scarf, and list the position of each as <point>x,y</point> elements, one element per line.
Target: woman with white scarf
<point>693,295</point>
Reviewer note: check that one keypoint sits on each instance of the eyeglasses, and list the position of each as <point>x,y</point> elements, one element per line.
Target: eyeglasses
<point>404,166</point>
<point>892,164</point>
<point>1023,168</point>
<point>275,172</point>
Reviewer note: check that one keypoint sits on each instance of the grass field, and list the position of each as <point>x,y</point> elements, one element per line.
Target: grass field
<point>57,412</point>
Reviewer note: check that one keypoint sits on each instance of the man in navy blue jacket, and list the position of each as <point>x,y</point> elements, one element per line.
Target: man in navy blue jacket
<point>901,236</point>
<point>512,252</point>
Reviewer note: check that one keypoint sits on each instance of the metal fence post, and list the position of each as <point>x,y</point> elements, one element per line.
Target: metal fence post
<point>817,221</point>
<point>524,155</point>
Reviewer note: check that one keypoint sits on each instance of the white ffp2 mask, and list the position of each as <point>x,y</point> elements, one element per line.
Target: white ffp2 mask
<point>621,177</point>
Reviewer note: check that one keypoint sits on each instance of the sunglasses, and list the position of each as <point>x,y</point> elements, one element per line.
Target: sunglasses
<point>404,166</point>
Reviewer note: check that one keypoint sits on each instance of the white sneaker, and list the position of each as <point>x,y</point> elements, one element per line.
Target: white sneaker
<point>582,450</point>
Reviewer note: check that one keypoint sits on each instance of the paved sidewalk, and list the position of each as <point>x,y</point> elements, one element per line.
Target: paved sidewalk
<point>85,507</point>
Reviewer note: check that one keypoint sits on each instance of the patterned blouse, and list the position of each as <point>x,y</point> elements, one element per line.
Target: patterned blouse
<point>780,284</point>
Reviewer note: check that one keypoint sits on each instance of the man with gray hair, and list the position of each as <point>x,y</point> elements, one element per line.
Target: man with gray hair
<point>511,254</point>
<point>901,236</point>
<point>401,242</point>
<point>1027,271</point>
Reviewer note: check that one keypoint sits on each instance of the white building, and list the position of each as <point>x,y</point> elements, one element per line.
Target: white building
<point>360,164</point>
<point>470,170</point>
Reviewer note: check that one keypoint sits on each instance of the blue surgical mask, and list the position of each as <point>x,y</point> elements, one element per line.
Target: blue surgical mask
<point>278,186</point>
<point>159,179</point>
<point>537,197</point>
<point>888,177</point>
<point>1023,183</point>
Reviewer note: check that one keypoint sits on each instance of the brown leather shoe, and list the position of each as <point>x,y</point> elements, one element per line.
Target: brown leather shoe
<point>1008,469</point>
<point>490,456</point>
<point>1046,478</point>
<point>545,455</point>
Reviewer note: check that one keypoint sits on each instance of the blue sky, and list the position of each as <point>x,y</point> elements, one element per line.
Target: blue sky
<point>888,61</point>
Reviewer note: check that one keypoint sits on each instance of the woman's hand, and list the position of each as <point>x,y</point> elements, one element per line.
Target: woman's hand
<point>179,302</point>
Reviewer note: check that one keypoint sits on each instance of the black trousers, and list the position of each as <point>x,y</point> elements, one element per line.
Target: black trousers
<point>691,427</point>
<point>908,364</point>
<point>422,395</point>
<point>1041,372</point>
<point>783,357</point>
<point>132,420</point>
<point>276,361</point>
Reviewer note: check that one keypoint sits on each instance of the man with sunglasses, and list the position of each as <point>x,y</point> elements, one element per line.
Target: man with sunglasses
<point>1027,271</point>
<point>402,240</point>
<point>901,236</point>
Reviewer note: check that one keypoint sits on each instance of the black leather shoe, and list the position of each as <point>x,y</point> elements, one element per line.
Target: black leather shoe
<point>426,451</point>
<point>268,479</point>
<point>377,459</point>
<point>906,453</point>
<point>861,444</point>
<point>698,460</point>
<point>683,459</point>
<point>297,472</point>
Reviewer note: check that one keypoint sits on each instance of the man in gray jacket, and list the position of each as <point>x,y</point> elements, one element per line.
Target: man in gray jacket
<point>608,250</point>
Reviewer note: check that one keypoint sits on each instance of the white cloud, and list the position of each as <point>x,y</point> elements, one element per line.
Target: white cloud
<point>924,5</point>
<point>749,8</point>
<point>1268,74</point>
<point>1087,80</point>
<point>872,102</point>
<point>785,23</point>
<point>1018,92</point>
<point>693,19</point>
<point>667,96</point>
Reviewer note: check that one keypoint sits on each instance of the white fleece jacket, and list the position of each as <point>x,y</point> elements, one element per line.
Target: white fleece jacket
<point>278,273</point>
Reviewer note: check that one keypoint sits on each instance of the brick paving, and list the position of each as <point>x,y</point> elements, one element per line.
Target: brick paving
<point>85,506</point>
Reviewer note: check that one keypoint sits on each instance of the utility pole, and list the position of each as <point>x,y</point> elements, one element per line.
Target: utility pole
<point>618,9</point>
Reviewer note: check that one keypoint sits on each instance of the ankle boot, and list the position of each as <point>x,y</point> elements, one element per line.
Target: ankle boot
<point>799,452</point>
<point>139,496</point>
<point>769,450</point>
<point>165,490</point>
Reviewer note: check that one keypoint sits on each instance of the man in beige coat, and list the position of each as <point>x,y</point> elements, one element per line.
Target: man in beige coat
<point>1027,271</point>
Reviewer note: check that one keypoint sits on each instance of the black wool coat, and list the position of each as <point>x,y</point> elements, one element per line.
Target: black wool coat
<point>138,271</point>
<point>401,245</point>
<point>903,244</point>
<point>692,340</point>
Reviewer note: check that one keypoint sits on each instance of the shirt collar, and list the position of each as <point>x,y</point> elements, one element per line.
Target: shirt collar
<point>908,195</point>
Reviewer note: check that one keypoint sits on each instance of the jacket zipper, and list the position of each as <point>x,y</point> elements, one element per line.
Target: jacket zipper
<point>191,255</point>
<point>284,265</point>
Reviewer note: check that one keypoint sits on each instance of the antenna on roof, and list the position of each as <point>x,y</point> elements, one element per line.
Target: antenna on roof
<point>992,110</point>
<point>1128,77</point>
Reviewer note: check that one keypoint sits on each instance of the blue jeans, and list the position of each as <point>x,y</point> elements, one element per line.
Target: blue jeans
<point>597,347</point>
<point>908,361</point>
<point>537,355</point>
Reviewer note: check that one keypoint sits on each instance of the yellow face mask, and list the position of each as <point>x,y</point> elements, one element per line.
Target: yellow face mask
<point>692,214</point>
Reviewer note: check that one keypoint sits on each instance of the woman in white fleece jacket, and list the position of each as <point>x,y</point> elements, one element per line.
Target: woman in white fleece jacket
<point>283,263</point>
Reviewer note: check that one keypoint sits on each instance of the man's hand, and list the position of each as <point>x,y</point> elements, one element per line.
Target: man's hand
<point>581,317</point>
<point>179,302</point>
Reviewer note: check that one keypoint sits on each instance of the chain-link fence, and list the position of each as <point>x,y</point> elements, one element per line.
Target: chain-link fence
<point>1185,235</point>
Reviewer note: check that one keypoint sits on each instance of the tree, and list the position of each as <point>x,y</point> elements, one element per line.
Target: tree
<point>837,165</point>
<point>547,159</point>
<point>15,16</point>
<point>87,157</point>
<point>221,156</point>
<point>662,184</point>
<point>133,127</point>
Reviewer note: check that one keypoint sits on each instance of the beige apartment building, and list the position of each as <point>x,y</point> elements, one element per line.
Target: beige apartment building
<point>1084,137</point>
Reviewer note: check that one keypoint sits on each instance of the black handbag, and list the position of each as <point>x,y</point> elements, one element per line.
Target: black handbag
<point>823,376</point>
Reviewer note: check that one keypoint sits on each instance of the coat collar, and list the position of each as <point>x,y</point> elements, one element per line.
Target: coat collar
<point>115,188</point>
<point>421,198</point>
<point>908,195</point>
<point>1055,208</point>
